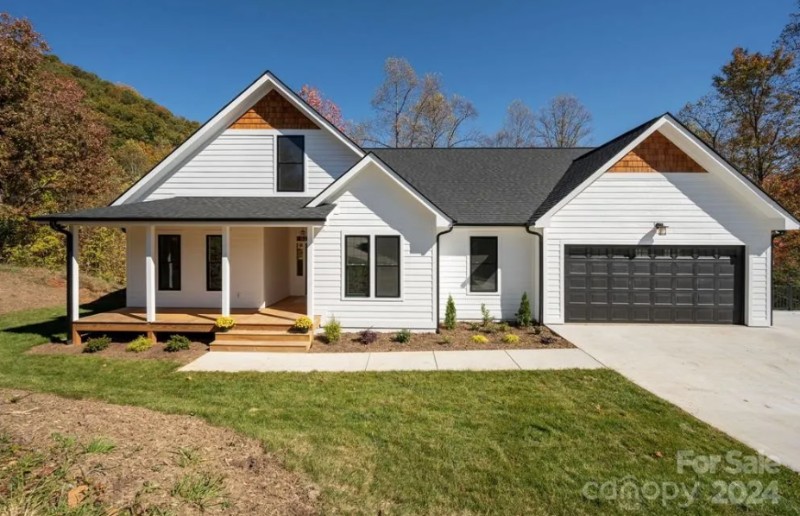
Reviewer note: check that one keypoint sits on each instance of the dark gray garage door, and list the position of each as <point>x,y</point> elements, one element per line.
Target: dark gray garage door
<point>657,284</point>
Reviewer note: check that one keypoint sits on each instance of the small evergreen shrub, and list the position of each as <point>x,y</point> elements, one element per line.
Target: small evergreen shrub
<point>447,339</point>
<point>479,339</point>
<point>139,344</point>
<point>303,323</point>
<point>403,336</point>
<point>524,318</point>
<point>450,314</point>
<point>503,327</point>
<point>486,315</point>
<point>176,343</point>
<point>537,330</point>
<point>97,344</point>
<point>489,328</point>
<point>473,326</point>
<point>510,338</point>
<point>333,331</point>
<point>367,337</point>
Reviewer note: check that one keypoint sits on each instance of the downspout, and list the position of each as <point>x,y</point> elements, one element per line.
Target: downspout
<point>541,274</point>
<point>438,271</point>
<point>70,279</point>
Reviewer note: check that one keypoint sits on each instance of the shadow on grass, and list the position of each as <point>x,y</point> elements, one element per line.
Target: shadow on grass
<point>55,328</point>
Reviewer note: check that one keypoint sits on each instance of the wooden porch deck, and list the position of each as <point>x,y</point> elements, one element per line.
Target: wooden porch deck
<point>253,325</point>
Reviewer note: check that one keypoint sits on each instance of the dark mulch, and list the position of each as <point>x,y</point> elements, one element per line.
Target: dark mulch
<point>458,339</point>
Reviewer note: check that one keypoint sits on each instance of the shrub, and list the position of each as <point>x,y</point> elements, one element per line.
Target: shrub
<point>367,337</point>
<point>97,344</point>
<point>537,330</point>
<point>510,338</point>
<point>446,339</point>
<point>503,327</point>
<point>489,328</point>
<point>303,323</point>
<point>333,331</point>
<point>176,343</point>
<point>524,318</point>
<point>487,315</point>
<point>450,314</point>
<point>403,336</point>
<point>139,344</point>
<point>225,323</point>
<point>479,339</point>
<point>547,340</point>
<point>473,326</point>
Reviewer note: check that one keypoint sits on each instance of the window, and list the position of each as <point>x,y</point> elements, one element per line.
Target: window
<point>213,262</point>
<point>483,264</point>
<point>169,262</point>
<point>291,152</point>
<point>387,266</point>
<point>356,270</point>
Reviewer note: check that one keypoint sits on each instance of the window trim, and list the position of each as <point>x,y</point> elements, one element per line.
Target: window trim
<point>496,291</point>
<point>180,262</point>
<point>208,263</point>
<point>345,267</point>
<point>399,264</point>
<point>277,164</point>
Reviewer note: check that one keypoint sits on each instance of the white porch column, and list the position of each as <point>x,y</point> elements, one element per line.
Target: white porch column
<point>226,271</point>
<point>150,273</point>
<point>74,275</point>
<point>310,271</point>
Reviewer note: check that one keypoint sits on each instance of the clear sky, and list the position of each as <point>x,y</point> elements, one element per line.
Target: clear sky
<point>627,60</point>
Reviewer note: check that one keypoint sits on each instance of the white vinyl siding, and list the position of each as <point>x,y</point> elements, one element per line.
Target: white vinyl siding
<point>622,208</point>
<point>517,266</point>
<point>242,162</point>
<point>372,204</point>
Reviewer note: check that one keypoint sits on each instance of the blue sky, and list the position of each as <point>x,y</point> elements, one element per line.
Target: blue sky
<point>627,60</point>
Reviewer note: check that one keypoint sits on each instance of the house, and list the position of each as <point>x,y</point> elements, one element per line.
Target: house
<point>270,207</point>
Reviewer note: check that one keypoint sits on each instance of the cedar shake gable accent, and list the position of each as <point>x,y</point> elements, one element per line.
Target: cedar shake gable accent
<point>273,112</point>
<point>656,154</point>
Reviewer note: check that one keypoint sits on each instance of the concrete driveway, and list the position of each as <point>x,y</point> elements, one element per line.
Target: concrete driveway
<point>744,381</point>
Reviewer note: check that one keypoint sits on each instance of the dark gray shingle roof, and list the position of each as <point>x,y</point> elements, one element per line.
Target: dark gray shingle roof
<point>211,209</point>
<point>482,185</point>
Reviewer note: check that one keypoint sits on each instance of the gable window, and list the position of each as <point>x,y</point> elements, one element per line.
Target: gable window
<point>356,266</point>
<point>483,264</point>
<point>214,263</point>
<point>387,266</point>
<point>169,262</point>
<point>291,173</point>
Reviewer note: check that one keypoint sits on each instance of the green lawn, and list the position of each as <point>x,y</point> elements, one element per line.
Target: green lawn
<point>412,443</point>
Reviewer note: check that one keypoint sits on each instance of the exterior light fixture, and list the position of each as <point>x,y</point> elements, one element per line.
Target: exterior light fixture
<point>661,228</point>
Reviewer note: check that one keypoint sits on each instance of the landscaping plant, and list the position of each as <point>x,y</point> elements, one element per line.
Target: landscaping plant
<point>524,318</point>
<point>479,339</point>
<point>97,344</point>
<point>450,314</point>
<point>139,344</point>
<point>510,338</point>
<point>487,315</point>
<point>333,331</point>
<point>303,324</point>
<point>367,337</point>
<point>403,336</point>
<point>225,323</point>
<point>176,343</point>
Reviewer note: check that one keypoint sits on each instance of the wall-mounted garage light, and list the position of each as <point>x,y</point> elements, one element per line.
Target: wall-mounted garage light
<point>661,228</point>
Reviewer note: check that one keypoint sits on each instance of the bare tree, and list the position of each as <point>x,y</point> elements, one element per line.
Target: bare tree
<point>564,122</point>
<point>519,128</point>
<point>393,100</point>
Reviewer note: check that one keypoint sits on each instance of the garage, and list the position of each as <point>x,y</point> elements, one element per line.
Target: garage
<point>654,284</point>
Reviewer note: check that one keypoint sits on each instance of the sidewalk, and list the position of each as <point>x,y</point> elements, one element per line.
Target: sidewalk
<point>487,360</point>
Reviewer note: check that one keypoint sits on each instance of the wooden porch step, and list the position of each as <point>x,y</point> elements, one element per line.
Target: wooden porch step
<point>274,346</point>
<point>260,335</point>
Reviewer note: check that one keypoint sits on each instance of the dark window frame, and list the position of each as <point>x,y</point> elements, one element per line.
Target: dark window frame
<point>162,263</point>
<point>472,265</point>
<point>300,140</point>
<point>209,263</point>
<point>398,266</point>
<point>347,292</point>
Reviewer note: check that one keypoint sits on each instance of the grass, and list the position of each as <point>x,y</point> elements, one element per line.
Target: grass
<point>204,490</point>
<point>432,443</point>
<point>100,445</point>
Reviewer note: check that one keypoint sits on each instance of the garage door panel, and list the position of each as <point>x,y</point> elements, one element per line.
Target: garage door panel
<point>660,284</point>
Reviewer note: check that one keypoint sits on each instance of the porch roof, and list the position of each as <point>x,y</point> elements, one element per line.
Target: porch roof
<point>201,209</point>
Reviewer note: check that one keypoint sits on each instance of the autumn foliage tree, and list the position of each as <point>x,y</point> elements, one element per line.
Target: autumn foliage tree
<point>324,106</point>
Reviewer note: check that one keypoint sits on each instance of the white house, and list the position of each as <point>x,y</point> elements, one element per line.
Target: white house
<point>269,201</point>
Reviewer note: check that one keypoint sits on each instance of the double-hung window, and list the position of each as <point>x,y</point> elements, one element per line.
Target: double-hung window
<point>169,262</point>
<point>483,264</point>
<point>356,266</point>
<point>361,252</point>
<point>291,163</point>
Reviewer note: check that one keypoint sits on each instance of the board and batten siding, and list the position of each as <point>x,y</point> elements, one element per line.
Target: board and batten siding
<point>517,269</point>
<point>622,209</point>
<point>372,204</point>
<point>247,269</point>
<point>242,163</point>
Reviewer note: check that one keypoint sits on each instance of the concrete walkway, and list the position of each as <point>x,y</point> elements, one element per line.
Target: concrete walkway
<point>489,360</point>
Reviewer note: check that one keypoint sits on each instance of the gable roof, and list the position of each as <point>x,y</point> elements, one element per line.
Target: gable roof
<point>482,186</point>
<point>219,122</point>
<point>201,209</point>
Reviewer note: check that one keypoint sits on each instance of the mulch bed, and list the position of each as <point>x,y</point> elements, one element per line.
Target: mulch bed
<point>117,350</point>
<point>457,339</point>
<point>151,453</point>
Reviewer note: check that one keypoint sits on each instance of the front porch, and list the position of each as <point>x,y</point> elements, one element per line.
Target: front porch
<point>264,329</point>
